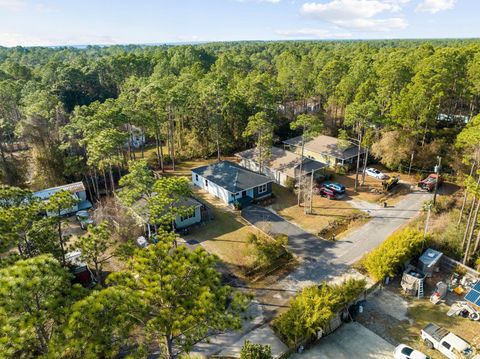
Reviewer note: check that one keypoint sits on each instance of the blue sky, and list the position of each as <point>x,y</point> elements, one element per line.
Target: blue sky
<point>79,22</point>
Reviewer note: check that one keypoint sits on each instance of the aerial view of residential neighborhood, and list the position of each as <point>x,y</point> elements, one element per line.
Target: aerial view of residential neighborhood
<point>251,179</point>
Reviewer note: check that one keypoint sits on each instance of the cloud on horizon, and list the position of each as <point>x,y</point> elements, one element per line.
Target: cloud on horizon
<point>358,15</point>
<point>434,6</point>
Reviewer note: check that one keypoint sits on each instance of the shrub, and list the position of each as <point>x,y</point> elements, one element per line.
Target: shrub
<point>290,183</point>
<point>444,204</point>
<point>237,206</point>
<point>255,351</point>
<point>268,251</point>
<point>313,309</point>
<point>385,260</point>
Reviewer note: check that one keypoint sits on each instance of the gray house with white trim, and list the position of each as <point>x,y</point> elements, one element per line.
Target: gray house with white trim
<point>232,183</point>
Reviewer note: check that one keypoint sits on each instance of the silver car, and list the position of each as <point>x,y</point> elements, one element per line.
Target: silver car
<point>373,172</point>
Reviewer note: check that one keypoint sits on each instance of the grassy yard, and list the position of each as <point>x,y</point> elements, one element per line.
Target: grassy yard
<point>421,312</point>
<point>226,235</point>
<point>324,211</point>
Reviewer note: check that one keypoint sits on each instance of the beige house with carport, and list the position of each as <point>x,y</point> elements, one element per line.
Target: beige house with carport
<point>281,166</point>
<point>326,149</point>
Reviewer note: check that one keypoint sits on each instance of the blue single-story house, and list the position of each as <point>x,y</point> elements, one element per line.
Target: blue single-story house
<point>77,190</point>
<point>232,183</point>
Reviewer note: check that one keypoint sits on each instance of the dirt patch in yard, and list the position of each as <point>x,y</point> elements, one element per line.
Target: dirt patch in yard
<point>326,213</point>
<point>380,316</point>
<point>372,189</point>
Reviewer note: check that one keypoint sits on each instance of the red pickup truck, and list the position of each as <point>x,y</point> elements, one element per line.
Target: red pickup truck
<point>429,182</point>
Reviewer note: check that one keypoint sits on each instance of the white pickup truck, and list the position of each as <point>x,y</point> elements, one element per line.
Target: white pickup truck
<point>447,343</point>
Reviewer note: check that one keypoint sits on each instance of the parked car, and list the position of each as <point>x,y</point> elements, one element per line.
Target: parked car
<point>405,352</point>
<point>337,187</point>
<point>373,172</point>
<point>447,343</point>
<point>84,218</point>
<point>325,192</point>
<point>429,182</point>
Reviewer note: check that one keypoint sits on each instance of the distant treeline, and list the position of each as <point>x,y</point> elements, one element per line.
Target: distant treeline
<point>76,108</point>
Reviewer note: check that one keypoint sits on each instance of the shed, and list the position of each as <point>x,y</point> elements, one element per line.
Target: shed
<point>429,261</point>
<point>412,281</point>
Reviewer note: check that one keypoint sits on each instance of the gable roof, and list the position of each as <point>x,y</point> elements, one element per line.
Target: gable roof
<point>231,176</point>
<point>283,161</point>
<point>327,145</point>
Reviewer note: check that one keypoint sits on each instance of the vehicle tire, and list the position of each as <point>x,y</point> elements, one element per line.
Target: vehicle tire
<point>428,343</point>
<point>474,316</point>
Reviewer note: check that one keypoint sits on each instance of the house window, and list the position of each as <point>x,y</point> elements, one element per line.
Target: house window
<point>206,183</point>
<point>196,177</point>
<point>263,188</point>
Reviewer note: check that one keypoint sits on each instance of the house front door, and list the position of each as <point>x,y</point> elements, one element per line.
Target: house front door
<point>244,194</point>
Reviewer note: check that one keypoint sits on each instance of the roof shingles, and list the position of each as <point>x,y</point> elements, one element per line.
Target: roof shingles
<point>231,176</point>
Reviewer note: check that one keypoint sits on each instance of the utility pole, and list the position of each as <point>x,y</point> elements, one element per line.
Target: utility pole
<point>437,171</point>
<point>426,225</point>
<point>364,167</point>
<point>300,179</point>
<point>311,191</point>
<point>411,161</point>
<point>358,158</point>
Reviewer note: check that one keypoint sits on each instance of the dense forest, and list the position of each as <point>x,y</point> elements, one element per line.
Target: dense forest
<point>74,109</point>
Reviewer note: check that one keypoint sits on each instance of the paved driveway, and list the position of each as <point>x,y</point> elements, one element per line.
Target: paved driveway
<point>300,242</point>
<point>351,340</point>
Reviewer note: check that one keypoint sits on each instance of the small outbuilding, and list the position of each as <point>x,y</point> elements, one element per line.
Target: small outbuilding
<point>232,183</point>
<point>429,262</point>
